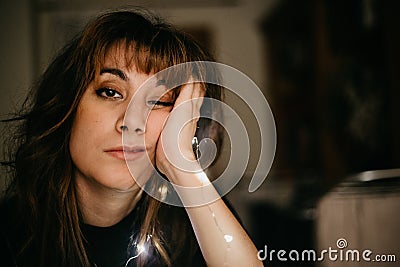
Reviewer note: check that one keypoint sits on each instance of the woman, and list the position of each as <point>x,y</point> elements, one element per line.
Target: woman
<point>72,200</point>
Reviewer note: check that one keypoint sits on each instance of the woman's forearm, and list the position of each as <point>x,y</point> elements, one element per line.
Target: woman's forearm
<point>222,239</point>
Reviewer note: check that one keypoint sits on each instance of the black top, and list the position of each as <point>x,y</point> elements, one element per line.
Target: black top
<point>109,246</point>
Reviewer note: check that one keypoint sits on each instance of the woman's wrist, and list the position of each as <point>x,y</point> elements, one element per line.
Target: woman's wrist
<point>188,175</point>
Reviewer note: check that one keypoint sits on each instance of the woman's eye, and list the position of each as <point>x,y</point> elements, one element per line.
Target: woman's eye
<point>108,93</point>
<point>156,104</point>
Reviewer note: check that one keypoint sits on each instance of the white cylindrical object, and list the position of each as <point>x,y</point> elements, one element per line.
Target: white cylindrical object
<point>361,214</point>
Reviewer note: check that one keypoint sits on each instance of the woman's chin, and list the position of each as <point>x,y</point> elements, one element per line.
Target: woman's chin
<point>127,188</point>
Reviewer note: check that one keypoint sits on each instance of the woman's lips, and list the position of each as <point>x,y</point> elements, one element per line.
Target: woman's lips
<point>126,153</point>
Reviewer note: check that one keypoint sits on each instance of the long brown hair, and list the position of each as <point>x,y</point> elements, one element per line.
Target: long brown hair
<point>46,208</point>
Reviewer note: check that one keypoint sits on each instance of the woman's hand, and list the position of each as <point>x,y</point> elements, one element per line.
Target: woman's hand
<point>221,238</point>
<point>174,148</point>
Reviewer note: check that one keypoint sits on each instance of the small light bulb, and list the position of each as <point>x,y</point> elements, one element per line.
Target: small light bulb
<point>228,238</point>
<point>140,249</point>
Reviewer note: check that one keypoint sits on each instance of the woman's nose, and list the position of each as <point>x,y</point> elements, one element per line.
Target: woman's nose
<point>132,120</point>
<point>125,128</point>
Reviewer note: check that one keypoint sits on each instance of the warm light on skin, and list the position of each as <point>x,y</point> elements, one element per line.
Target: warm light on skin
<point>106,190</point>
<point>202,177</point>
<point>96,128</point>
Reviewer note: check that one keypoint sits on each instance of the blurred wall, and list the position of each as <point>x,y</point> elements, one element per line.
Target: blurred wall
<point>16,51</point>
<point>16,65</point>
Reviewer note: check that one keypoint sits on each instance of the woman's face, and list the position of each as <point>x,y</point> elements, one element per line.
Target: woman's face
<point>96,146</point>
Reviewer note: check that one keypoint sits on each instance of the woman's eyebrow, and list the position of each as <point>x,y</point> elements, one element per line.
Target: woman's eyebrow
<point>116,72</point>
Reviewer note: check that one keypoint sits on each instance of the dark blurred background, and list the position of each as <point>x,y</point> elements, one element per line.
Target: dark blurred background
<point>330,72</point>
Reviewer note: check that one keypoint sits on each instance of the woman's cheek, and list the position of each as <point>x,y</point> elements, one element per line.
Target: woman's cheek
<point>155,123</point>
